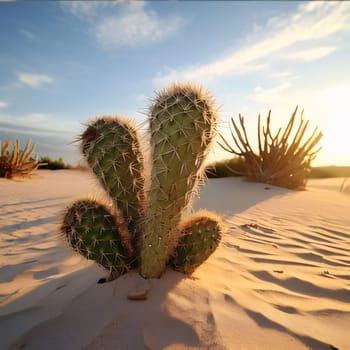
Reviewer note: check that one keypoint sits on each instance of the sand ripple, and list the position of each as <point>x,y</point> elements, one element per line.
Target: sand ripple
<point>279,280</point>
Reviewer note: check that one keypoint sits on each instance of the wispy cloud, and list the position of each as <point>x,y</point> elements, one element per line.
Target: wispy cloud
<point>3,104</point>
<point>281,82</point>
<point>128,24</point>
<point>52,135</point>
<point>310,54</point>
<point>86,10</point>
<point>37,123</point>
<point>283,74</point>
<point>34,80</point>
<point>270,95</point>
<point>55,143</point>
<point>136,26</point>
<point>312,22</point>
<point>29,35</point>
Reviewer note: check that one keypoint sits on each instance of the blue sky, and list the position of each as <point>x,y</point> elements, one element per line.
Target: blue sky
<point>63,63</point>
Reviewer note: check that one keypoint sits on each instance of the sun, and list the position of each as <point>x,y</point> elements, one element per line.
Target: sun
<point>332,109</point>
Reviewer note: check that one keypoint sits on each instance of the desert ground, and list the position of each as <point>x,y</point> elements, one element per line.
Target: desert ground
<point>280,278</point>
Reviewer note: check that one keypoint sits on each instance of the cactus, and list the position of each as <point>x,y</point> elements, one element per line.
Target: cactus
<point>92,230</point>
<point>200,236</point>
<point>143,224</point>
<point>182,124</point>
<point>112,149</point>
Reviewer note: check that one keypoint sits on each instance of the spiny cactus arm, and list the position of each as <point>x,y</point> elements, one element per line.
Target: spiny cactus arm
<point>96,233</point>
<point>183,122</point>
<point>112,148</point>
<point>200,236</point>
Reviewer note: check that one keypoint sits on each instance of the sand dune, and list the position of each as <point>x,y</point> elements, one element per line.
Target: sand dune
<point>279,280</point>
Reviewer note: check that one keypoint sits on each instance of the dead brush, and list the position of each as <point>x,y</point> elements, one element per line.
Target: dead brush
<point>283,159</point>
<point>18,162</point>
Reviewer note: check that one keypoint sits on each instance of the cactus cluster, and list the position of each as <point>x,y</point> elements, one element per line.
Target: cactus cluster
<point>143,226</point>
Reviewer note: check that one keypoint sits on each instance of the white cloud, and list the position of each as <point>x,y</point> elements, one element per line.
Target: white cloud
<point>85,10</point>
<point>128,24</point>
<point>231,65</point>
<point>282,74</point>
<point>310,23</point>
<point>33,80</point>
<point>135,26</point>
<point>310,54</point>
<point>3,104</point>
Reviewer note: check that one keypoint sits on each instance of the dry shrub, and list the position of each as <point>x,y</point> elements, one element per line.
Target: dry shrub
<point>17,162</point>
<point>283,159</point>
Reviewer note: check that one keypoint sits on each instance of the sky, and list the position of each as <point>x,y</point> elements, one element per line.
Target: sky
<point>63,63</point>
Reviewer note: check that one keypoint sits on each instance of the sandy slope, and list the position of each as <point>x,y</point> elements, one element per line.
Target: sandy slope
<point>279,280</point>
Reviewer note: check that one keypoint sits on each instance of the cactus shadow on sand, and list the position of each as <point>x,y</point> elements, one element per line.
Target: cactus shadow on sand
<point>113,315</point>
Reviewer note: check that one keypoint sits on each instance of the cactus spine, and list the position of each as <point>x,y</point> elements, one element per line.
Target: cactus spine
<point>143,225</point>
<point>182,126</point>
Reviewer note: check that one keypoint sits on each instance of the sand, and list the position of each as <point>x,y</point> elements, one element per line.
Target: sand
<point>280,278</point>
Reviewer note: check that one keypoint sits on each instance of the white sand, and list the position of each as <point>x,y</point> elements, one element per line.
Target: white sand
<point>279,280</point>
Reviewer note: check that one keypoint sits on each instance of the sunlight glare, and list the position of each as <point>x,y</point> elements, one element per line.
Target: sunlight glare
<point>332,107</point>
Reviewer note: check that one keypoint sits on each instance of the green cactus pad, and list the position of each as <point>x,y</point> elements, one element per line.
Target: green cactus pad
<point>201,234</point>
<point>97,235</point>
<point>112,148</point>
<point>182,123</point>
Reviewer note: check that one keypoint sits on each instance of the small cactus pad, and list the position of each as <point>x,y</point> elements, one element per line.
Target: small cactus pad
<point>201,234</point>
<point>112,149</point>
<point>182,125</point>
<point>96,234</point>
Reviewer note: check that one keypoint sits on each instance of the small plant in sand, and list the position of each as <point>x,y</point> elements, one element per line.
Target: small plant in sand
<point>17,162</point>
<point>143,227</point>
<point>283,160</point>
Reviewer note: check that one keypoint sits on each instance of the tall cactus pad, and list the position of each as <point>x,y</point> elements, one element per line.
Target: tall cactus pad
<point>112,149</point>
<point>182,123</point>
<point>201,235</point>
<point>97,235</point>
